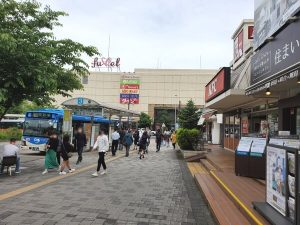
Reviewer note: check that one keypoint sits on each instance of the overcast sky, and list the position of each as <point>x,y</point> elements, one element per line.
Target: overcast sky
<point>156,33</point>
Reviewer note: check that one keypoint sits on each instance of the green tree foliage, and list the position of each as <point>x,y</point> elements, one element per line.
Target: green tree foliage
<point>145,120</point>
<point>164,116</point>
<point>189,116</point>
<point>34,65</point>
<point>25,106</point>
<point>187,138</point>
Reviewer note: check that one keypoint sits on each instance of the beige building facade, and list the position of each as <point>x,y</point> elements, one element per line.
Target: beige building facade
<point>163,88</point>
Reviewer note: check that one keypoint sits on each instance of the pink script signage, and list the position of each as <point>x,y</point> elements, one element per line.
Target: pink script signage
<point>106,62</point>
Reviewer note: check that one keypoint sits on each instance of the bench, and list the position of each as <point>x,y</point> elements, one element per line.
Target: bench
<point>8,162</point>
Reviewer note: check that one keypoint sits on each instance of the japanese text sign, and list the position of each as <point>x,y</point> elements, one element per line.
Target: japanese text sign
<point>278,55</point>
<point>129,89</point>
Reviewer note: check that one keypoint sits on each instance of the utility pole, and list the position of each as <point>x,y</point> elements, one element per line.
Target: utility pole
<point>175,119</point>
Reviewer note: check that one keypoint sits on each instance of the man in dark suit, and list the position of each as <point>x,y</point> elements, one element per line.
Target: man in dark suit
<point>80,142</point>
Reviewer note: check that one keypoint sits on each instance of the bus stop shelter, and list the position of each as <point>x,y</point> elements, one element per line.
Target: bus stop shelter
<point>88,107</point>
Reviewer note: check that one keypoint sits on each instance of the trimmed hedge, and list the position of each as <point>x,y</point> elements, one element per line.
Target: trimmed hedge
<point>9,133</point>
<point>187,138</point>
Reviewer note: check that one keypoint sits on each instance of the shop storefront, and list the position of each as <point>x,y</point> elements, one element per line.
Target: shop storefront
<point>217,86</point>
<point>275,74</point>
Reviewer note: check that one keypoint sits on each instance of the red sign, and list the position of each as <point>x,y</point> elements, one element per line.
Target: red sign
<point>218,84</point>
<point>250,32</point>
<point>132,100</point>
<point>238,46</point>
<point>130,86</point>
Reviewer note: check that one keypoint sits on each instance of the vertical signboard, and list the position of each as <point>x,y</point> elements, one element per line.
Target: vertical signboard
<point>67,122</point>
<point>250,32</point>
<point>130,89</point>
<point>238,46</point>
<point>276,178</point>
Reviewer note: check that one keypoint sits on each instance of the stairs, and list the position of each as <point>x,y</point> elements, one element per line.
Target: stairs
<point>230,206</point>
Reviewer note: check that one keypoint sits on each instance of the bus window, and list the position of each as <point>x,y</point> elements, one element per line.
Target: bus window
<point>36,127</point>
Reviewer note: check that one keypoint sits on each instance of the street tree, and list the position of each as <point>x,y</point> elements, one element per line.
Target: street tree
<point>34,65</point>
<point>145,120</point>
<point>189,116</point>
<point>164,116</point>
<point>26,105</point>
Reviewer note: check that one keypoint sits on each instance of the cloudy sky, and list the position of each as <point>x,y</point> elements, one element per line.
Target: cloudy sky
<point>156,33</point>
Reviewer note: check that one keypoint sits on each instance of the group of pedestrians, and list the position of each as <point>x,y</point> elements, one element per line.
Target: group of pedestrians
<point>121,138</point>
<point>57,149</point>
<point>165,139</point>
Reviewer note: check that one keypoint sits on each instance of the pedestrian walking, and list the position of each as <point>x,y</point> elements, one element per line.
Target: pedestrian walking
<point>142,144</point>
<point>115,136</point>
<point>127,141</point>
<point>103,145</point>
<point>11,149</point>
<point>80,143</point>
<point>149,139</point>
<point>122,135</point>
<point>174,139</point>
<point>158,139</point>
<point>136,137</point>
<point>51,152</point>
<point>65,153</point>
<point>167,138</point>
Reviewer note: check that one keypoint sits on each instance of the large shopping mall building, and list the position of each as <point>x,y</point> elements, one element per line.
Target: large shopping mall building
<point>153,91</point>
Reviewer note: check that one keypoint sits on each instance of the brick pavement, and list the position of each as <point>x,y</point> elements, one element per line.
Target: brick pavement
<point>156,190</point>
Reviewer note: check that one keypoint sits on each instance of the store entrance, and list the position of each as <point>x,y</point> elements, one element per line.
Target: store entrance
<point>291,119</point>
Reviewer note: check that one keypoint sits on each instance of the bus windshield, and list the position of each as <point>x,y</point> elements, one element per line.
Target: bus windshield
<point>38,127</point>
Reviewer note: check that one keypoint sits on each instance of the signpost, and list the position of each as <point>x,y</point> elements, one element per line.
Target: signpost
<point>130,89</point>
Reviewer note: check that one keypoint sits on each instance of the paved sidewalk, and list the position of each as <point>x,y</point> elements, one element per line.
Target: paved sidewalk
<point>156,190</point>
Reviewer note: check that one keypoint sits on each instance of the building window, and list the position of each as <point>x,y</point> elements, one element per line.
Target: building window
<point>85,80</point>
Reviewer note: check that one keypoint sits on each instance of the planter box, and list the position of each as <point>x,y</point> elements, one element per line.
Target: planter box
<point>189,153</point>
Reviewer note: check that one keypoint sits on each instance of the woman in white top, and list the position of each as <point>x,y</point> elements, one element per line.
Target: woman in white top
<point>103,145</point>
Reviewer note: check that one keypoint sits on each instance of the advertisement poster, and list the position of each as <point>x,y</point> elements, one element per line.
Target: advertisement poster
<point>245,144</point>
<point>258,145</point>
<point>276,177</point>
<point>270,16</point>
<point>129,89</point>
<point>245,125</point>
<point>264,128</point>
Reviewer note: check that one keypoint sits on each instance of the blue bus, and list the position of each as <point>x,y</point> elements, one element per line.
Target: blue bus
<point>37,123</point>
